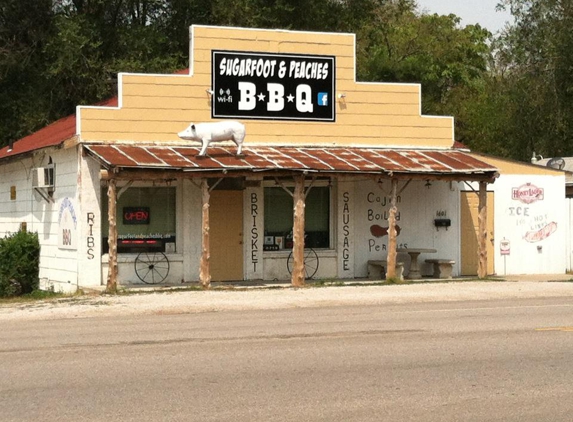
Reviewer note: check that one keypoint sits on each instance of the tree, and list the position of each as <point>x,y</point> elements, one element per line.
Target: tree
<point>449,61</point>
<point>24,27</point>
<point>538,72</point>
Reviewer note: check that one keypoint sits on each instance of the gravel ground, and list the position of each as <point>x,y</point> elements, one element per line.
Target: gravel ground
<point>195,301</point>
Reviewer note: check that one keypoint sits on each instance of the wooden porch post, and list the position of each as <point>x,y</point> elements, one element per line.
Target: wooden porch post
<point>112,235</point>
<point>391,259</point>
<point>482,230</point>
<point>205,271</point>
<point>298,277</point>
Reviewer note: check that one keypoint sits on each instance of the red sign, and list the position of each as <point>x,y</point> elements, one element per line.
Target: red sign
<point>504,247</point>
<point>527,193</point>
<point>135,215</point>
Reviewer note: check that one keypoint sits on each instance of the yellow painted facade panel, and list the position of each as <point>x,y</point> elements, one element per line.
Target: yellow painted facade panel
<point>267,46</point>
<point>173,127</point>
<point>470,232</point>
<point>351,85</point>
<point>515,167</point>
<point>184,115</point>
<point>203,34</point>
<point>167,103</point>
<point>155,107</point>
<point>195,91</point>
<point>278,140</point>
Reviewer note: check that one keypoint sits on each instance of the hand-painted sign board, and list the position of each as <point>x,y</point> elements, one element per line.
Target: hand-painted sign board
<point>273,86</point>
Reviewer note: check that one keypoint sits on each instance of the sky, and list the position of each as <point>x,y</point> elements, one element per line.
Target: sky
<point>470,11</point>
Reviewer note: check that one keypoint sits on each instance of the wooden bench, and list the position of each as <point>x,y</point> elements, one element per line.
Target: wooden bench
<point>377,269</point>
<point>442,267</point>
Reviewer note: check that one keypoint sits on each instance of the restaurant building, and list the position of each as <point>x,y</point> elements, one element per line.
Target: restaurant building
<point>308,173</point>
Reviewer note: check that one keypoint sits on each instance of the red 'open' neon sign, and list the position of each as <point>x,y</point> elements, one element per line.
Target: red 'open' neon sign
<point>136,215</point>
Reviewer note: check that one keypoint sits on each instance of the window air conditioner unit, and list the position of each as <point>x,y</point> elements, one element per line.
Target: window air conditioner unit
<point>43,177</point>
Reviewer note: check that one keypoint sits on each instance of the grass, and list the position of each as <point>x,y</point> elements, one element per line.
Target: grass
<point>327,282</point>
<point>41,295</point>
<point>37,295</point>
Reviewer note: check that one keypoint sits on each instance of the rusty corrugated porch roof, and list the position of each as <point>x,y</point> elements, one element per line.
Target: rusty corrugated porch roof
<point>438,162</point>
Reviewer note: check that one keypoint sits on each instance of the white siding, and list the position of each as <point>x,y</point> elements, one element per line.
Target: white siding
<point>418,206</point>
<point>90,218</point>
<point>513,219</point>
<point>58,267</point>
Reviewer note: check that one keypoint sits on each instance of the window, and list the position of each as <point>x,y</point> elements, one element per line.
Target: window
<point>279,216</point>
<point>145,220</point>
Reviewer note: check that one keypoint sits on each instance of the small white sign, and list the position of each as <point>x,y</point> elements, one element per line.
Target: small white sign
<point>67,225</point>
<point>504,247</point>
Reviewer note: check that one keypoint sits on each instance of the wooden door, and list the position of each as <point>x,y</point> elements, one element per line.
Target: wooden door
<point>469,234</point>
<point>226,235</point>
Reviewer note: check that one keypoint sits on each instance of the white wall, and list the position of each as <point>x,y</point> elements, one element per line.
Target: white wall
<point>189,222</point>
<point>516,222</point>
<point>569,236</point>
<point>346,232</point>
<point>58,265</point>
<point>418,206</point>
<point>90,218</point>
<point>253,229</point>
<point>17,211</point>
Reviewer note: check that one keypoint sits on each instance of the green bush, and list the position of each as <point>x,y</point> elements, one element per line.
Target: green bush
<point>19,264</point>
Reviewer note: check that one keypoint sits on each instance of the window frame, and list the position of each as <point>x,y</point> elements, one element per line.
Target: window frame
<point>323,182</point>
<point>132,251</point>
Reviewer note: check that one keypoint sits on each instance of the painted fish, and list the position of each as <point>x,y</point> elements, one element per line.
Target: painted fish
<point>378,231</point>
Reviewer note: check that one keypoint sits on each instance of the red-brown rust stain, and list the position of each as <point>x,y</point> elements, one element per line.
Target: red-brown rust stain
<point>112,156</point>
<point>192,154</point>
<point>472,163</point>
<point>361,161</point>
<point>404,161</point>
<point>293,158</point>
<point>380,159</point>
<point>281,159</point>
<point>459,161</point>
<point>257,158</point>
<point>140,155</point>
<point>227,158</point>
<point>428,162</point>
<point>170,157</point>
<point>447,159</point>
<point>354,158</point>
<point>337,158</point>
<point>307,157</point>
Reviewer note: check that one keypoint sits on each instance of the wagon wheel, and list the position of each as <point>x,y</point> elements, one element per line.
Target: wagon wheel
<point>151,267</point>
<point>310,263</point>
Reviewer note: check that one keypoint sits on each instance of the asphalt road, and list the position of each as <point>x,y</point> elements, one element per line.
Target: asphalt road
<point>456,361</point>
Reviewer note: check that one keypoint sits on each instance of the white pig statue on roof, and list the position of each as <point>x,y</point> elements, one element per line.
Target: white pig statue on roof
<point>214,132</point>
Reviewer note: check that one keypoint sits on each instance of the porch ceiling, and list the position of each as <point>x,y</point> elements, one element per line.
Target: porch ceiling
<point>311,159</point>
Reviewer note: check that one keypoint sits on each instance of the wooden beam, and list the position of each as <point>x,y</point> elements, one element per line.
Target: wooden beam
<point>298,274</point>
<point>482,230</point>
<point>174,174</point>
<point>71,142</point>
<point>452,177</point>
<point>391,259</point>
<point>205,271</point>
<point>112,236</point>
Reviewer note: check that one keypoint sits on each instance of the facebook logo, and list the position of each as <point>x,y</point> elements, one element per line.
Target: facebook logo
<point>323,98</point>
